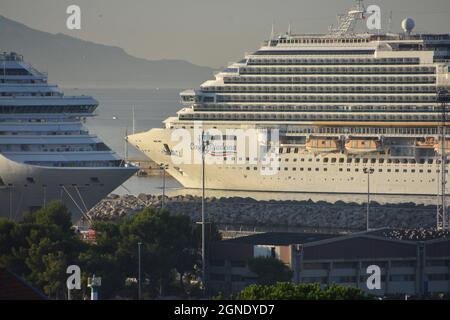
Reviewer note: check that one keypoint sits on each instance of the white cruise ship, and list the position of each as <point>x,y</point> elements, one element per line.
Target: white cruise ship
<point>45,152</point>
<point>345,104</point>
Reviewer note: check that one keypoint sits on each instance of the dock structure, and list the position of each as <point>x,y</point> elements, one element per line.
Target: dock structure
<point>147,167</point>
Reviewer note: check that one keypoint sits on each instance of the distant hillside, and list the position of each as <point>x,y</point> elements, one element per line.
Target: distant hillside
<point>71,60</point>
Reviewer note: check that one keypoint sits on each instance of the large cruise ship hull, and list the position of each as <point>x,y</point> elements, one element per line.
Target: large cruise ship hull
<point>310,174</point>
<point>28,187</point>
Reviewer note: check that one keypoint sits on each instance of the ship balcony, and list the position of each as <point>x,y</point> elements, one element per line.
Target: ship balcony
<point>190,97</point>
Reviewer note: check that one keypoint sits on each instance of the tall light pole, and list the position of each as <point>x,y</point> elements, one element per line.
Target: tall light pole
<point>10,187</point>
<point>139,271</point>
<point>368,171</point>
<point>203,213</point>
<point>442,222</point>
<point>163,167</point>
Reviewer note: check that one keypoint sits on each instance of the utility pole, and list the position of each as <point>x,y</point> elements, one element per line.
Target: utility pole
<point>369,171</point>
<point>163,168</point>
<point>203,214</point>
<point>442,222</point>
<point>139,271</point>
<point>126,143</point>
<point>10,187</point>
<point>134,121</point>
<point>94,283</point>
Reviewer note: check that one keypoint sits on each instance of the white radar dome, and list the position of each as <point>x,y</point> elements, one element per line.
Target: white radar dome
<point>408,24</point>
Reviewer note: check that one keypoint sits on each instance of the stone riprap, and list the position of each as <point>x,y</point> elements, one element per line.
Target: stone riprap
<point>249,214</point>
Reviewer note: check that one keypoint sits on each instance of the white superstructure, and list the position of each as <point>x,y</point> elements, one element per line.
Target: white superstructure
<point>343,102</point>
<point>45,152</point>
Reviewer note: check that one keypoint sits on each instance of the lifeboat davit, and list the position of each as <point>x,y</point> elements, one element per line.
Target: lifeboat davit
<point>323,145</point>
<point>358,146</point>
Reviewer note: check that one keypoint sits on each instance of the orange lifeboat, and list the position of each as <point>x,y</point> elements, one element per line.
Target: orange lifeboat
<point>438,147</point>
<point>323,145</point>
<point>426,143</point>
<point>358,146</point>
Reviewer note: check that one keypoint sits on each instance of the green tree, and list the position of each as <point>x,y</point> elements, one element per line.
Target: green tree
<point>302,291</point>
<point>166,238</point>
<point>269,270</point>
<point>41,247</point>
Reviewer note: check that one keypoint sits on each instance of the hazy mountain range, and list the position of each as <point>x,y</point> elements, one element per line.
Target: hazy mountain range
<point>72,61</point>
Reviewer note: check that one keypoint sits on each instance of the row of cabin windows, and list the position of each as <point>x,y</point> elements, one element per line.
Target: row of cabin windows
<point>14,72</point>
<point>348,170</point>
<point>337,70</point>
<point>332,40</point>
<point>353,160</point>
<point>48,109</point>
<point>313,117</point>
<point>352,130</point>
<point>314,98</point>
<point>284,107</point>
<point>346,89</point>
<point>326,79</point>
<point>312,61</point>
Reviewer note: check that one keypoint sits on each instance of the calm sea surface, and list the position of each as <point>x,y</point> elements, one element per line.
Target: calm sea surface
<point>152,106</point>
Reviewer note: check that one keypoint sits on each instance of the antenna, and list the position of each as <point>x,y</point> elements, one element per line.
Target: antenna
<point>390,22</point>
<point>126,143</point>
<point>346,23</point>
<point>134,121</point>
<point>272,32</point>
<point>289,28</point>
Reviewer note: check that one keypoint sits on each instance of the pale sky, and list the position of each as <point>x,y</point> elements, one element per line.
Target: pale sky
<point>207,32</point>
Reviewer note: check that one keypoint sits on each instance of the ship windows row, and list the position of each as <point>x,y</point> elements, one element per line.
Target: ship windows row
<point>30,94</point>
<point>35,79</point>
<point>400,131</point>
<point>314,52</point>
<point>350,160</point>
<point>48,109</point>
<point>347,160</point>
<point>370,130</point>
<point>326,98</point>
<point>44,133</point>
<point>309,117</point>
<point>316,108</point>
<point>322,89</point>
<point>53,147</point>
<point>92,163</point>
<point>316,169</point>
<point>325,41</point>
<point>328,61</point>
<point>338,70</point>
<point>326,79</point>
<point>14,72</point>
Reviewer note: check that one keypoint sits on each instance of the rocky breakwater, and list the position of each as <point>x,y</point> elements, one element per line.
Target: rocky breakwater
<point>249,214</point>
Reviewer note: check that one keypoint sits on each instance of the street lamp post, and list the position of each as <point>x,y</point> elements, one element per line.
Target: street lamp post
<point>442,219</point>
<point>139,271</point>
<point>204,143</point>
<point>368,171</point>
<point>163,167</point>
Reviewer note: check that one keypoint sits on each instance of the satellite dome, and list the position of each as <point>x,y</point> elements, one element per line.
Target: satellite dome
<point>408,24</point>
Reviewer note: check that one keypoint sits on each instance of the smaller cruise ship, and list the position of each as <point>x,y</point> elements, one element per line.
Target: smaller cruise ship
<point>45,152</point>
